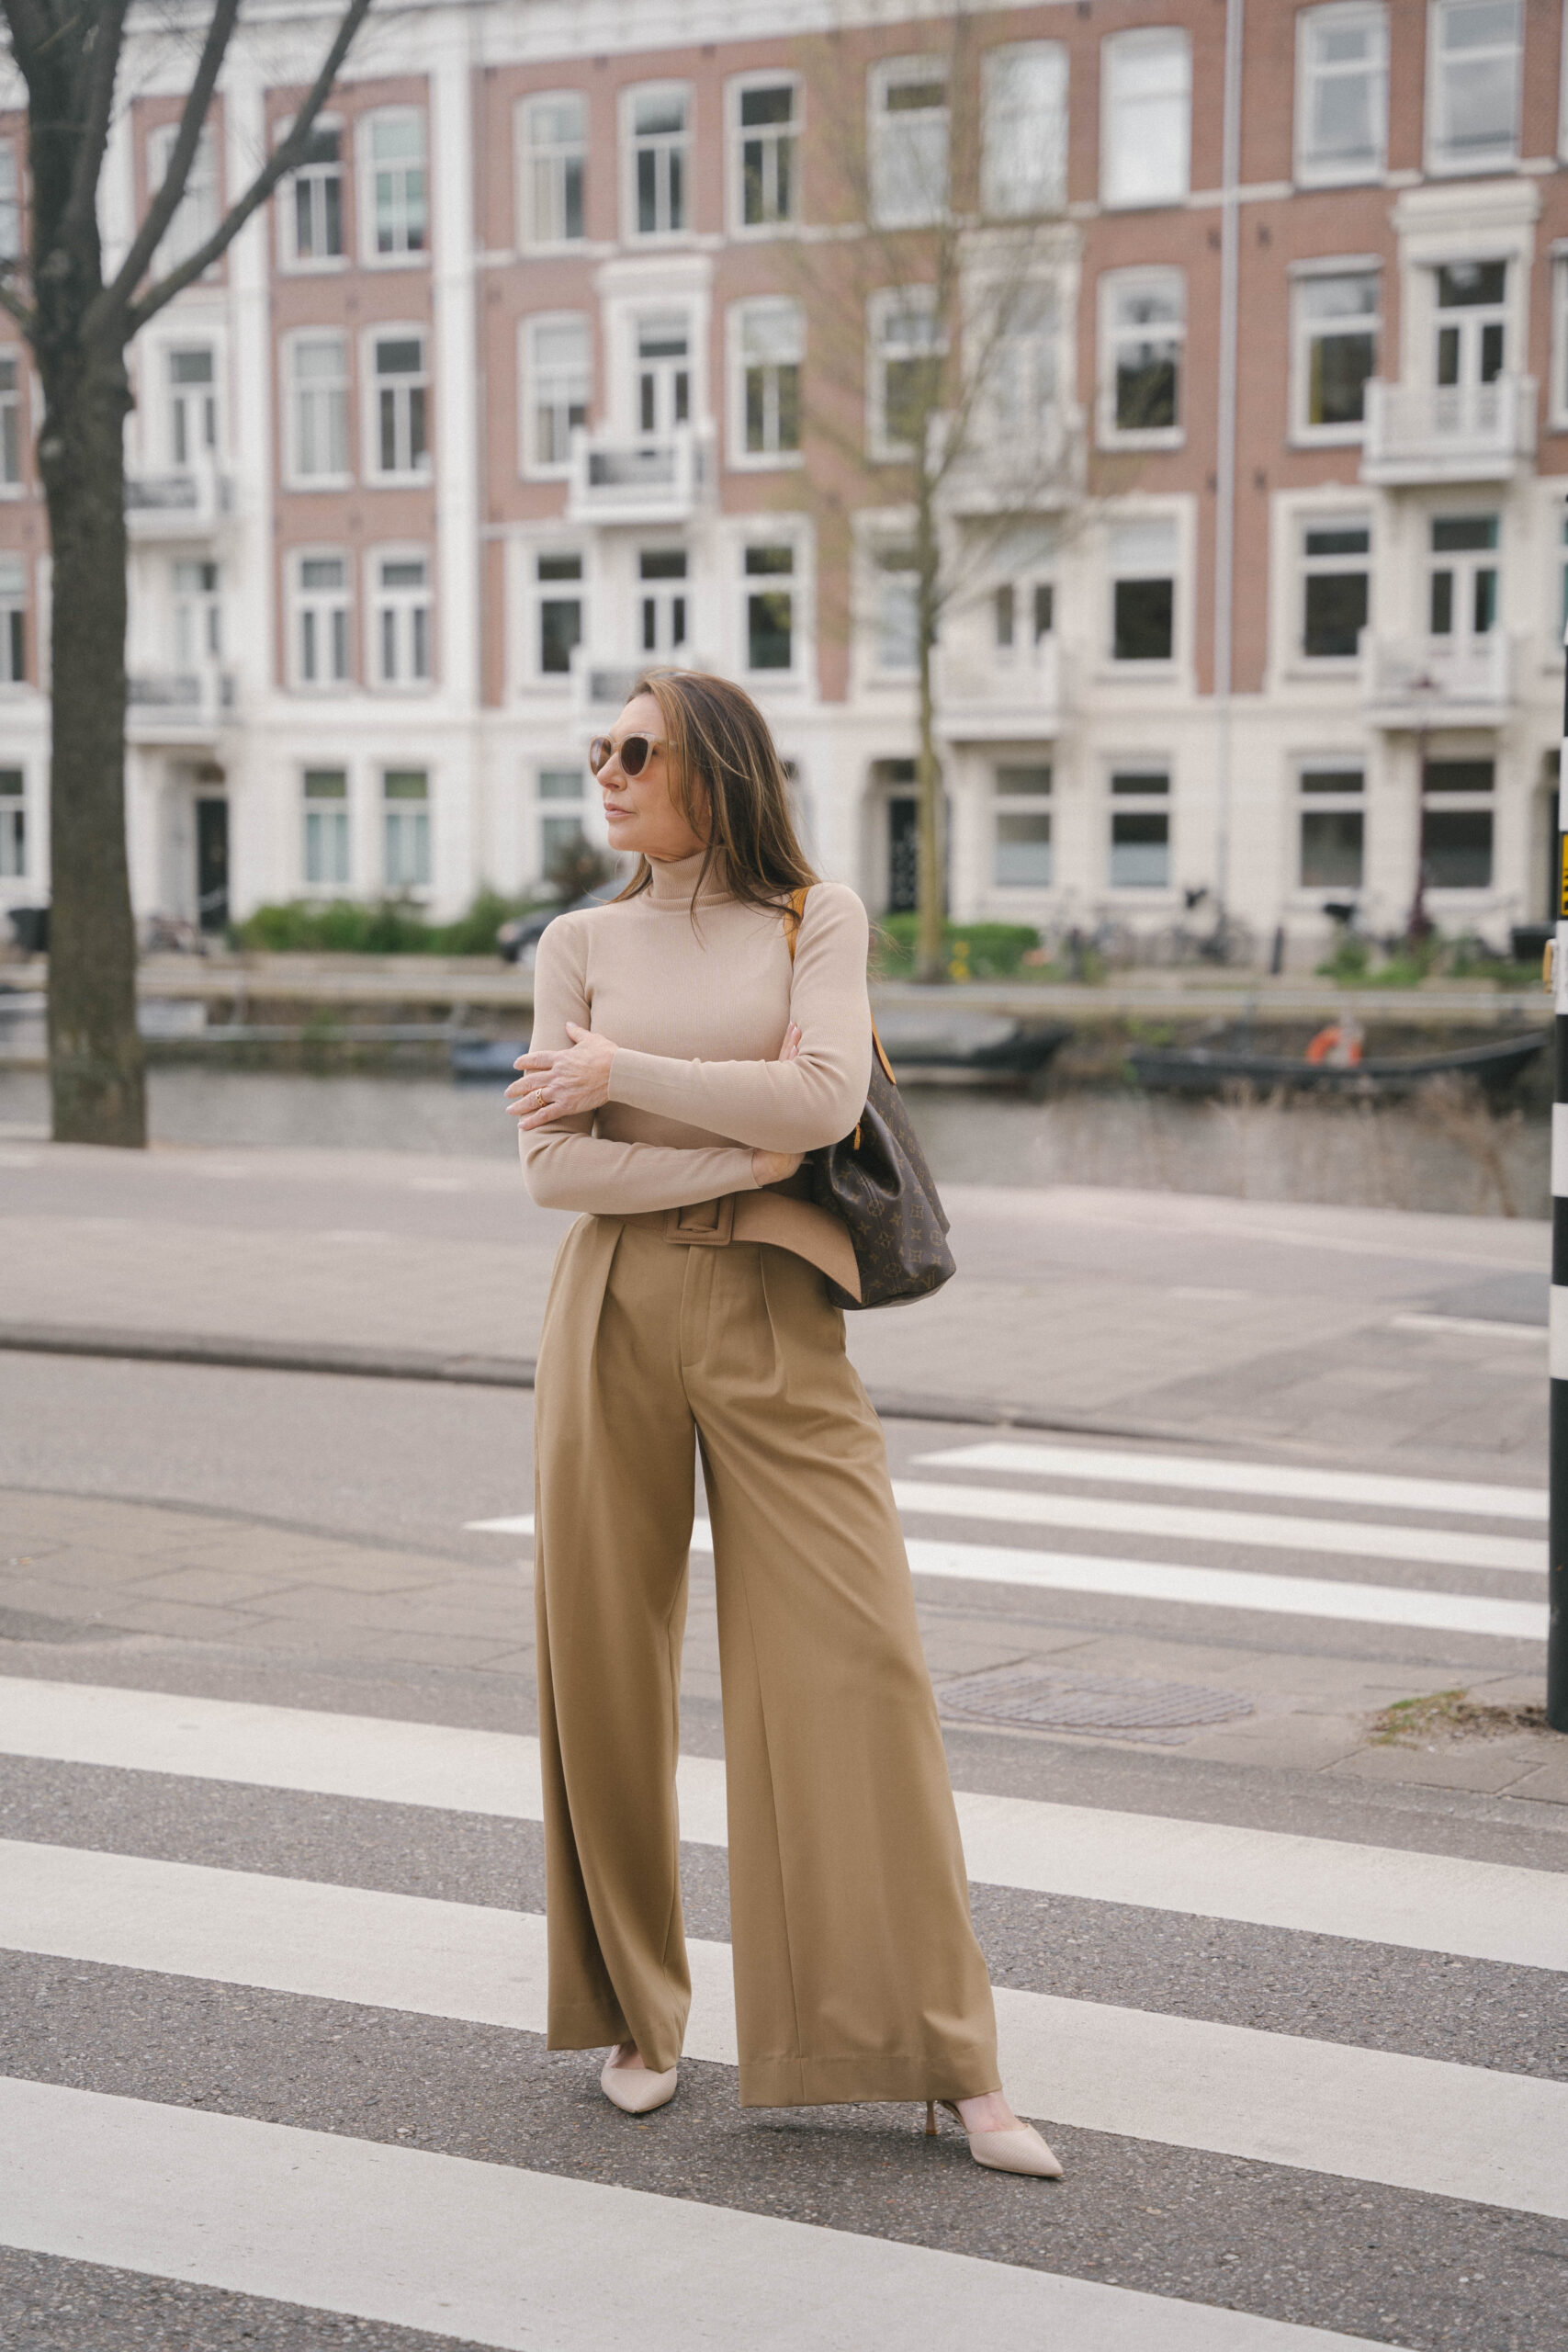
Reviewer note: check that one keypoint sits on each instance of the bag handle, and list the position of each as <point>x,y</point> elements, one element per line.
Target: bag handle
<point>797,916</point>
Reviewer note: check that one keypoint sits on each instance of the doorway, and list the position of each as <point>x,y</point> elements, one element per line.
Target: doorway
<point>664,379</point>
<point>1472,314</point>
<point>211,862</point>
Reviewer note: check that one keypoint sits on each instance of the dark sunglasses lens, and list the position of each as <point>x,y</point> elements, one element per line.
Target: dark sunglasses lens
<point>598,753</point>
<point>634,753</point>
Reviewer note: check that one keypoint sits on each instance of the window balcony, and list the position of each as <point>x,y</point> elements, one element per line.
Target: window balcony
<point>179,706</point>
<point>1443,433</point>
<point>190,504</point>
<point>601,684</point>
<point>652,478</point>
<point>983,696</point>
<point>1415,682</point>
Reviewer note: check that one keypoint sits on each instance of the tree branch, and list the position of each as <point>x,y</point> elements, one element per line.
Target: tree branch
<point>282,161</point>
<point>103,69</point>
<point>166,202</point>
<point>31,31</point>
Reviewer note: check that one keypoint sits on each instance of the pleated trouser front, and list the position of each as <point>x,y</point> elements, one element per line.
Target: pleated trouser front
<point>857,1974</point>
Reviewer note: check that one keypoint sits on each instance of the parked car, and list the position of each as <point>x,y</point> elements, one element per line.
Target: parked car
<point>517,941</point>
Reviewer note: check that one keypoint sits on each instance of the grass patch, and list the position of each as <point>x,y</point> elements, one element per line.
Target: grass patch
<point>1450,1715</point>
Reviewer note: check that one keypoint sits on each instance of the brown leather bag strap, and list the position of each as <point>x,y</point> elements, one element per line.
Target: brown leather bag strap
<point>797,917</point>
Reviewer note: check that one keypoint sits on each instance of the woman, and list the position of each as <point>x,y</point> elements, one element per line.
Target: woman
<point>681,1064</point>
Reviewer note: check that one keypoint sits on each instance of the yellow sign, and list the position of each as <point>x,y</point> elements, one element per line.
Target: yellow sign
<point>1563,894</point>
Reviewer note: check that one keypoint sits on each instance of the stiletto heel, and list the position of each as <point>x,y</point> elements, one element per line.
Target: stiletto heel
<point>1020,2150</point>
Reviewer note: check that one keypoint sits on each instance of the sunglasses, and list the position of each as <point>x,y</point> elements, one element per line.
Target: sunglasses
<point>635,752</point>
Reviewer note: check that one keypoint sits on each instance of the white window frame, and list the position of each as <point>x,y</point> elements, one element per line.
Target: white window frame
<point>914,207</point>
<point>1440,161</point>
<point>1339,15</point>
<point>10,199</point>
<point>1039,803</point>
<point>406,813</point>
<point>292,344</point>
<point>403,601</point>
<point>548,159</point>
<point>554,808</point>
<point>12,356</point>
<point>663,144</point>
<point>772,134</point>
<point>323,605</point>
<point>536,594</point>
<point>393,330</point>
<point>882,559</point>
<point>314,175</point>
<point>1132,803</point>
<point>1304,333</point>
<point>754,584</point>
<point>401,256</point>
<point>325,821</point>
<point>1004,121</point>
<point>13,619</point>
<point>788,317</point>
<point>1557,416</point>
<point>1350,802</point>
<point>199,453</point>
<point>1156,666</point>
<point>1113,283</point>
<point>200,206</point>
<point>1317,518</point>
<point>14,826</point>
<point>883,309</point>
<point>532,375</point>
<point>1114,193</point>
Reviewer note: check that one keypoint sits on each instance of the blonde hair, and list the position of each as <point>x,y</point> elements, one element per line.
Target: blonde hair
<point>718,743</point>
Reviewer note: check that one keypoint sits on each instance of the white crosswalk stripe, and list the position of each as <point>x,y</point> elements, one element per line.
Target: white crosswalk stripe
<point>496,2255</point>
<point>1132,1579</point>
<point>1374,2115</point>
<point>500,2254</point>
<point>1374,1894</point>
<point>1045,1497</point>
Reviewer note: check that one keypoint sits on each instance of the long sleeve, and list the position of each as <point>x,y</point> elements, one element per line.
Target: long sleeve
<point>566,1166</point>
<point>780,1106</point>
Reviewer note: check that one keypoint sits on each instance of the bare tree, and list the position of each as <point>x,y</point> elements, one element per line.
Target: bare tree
<point>69,53</point>
<point>933,344</point>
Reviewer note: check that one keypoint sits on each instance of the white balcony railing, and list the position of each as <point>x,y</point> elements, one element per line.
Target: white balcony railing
<point>188,504</point>
<point>1033,474</point>
<point>982,696</point>
<point>1438,433</point>
<point>179,706</point>
<point>601,683</point>
<point>651,477</point>
<point>1421,682</point>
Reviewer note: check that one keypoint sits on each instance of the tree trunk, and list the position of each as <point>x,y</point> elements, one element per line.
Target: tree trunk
<point>95,1053</point>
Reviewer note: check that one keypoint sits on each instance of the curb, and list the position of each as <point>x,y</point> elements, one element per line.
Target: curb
<point>496,1371</point>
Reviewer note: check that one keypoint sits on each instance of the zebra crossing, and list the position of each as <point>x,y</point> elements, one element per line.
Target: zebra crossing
<point>518,2254</point>
<point>1418,1534</point>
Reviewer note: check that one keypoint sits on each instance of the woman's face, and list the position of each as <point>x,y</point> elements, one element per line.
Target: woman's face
<point>640,810</point>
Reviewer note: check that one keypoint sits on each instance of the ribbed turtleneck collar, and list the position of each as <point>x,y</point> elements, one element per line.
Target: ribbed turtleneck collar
<point>676,878</point>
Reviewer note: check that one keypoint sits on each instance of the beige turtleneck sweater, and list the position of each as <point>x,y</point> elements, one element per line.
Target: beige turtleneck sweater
<point>697,1005</point>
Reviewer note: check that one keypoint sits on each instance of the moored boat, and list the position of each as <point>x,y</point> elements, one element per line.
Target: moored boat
<point>1210,1069</point>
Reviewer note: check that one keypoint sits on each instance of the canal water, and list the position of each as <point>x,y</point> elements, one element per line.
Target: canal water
<point>1444,1150</point>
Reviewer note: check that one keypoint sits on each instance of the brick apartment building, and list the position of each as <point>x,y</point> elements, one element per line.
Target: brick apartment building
<point>537,369</point>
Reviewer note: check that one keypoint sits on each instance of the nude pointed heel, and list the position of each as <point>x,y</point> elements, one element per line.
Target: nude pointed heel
<point>1020,2149</point>
<point>636,2090</point>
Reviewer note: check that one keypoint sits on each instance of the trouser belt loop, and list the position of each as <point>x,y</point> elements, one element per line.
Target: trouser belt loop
<point>709,1223</point>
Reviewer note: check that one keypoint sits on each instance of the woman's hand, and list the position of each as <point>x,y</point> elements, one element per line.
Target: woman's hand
<point>773,1166</point>
<point>573,1079</point>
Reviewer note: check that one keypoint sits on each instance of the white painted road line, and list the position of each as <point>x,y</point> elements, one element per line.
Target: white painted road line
<point>1468,1327</point>
<point>1284,1480</point>
<point>497,2256</point>
<point>1181,1523</point>
<point>1416,2123</point>
<point>1211,1869</point>
<point>1360,1604</point>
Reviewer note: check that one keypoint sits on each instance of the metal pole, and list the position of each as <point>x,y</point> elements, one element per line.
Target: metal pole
<point>1557,1566</point>
<point>1225,453</point>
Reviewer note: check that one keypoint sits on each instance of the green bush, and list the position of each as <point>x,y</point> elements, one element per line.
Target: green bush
<point>374,927</point>
<point>980,950</point>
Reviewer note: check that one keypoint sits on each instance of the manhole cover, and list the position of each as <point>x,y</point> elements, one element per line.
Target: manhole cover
<point>1053,1700</point>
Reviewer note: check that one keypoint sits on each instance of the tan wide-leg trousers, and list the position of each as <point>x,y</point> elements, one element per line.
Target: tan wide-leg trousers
<point>857,1974</point>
